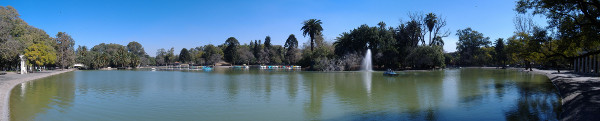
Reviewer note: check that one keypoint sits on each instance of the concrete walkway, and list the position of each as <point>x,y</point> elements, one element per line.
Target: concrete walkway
<point>11,79</point>
<point>580,94</point>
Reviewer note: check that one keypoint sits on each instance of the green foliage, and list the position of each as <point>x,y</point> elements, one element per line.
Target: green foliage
<point>451,59</point>
<point>40,54</point>
<point>292,54</point>
<point>379,39</point>
<point>184,56</point>
<point>231,49</point>
<point>357,40</point>
<point>134,60</point>
<point>64,49</point>
<point>392,47</point>
<point>500,52</point>
<point>426,57</point>
<point>113,55</point>
<point>160,57</point>
<point>312,28</point>
<point>320,58</point>
<point>266,53</point>
<point>109,51</point>
<point>469,46</point>
<point>245,55</point>
<point>136,48</point>
<point>16,35</point>
<point>212,54</point>
<point>430,21</point>
<point>81,53</point>
<point>408,34</point>
<point>170,56</point>
<point>121,58</point>
<point>525,48</point>
<point>101,60</point>
<point>196,55</point>
<point>576,21</point>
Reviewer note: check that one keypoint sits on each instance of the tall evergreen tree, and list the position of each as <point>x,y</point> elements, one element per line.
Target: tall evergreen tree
<point>231,49</point>
<point>500,52</point>
<point>291,45</point>
<point>184,56</point>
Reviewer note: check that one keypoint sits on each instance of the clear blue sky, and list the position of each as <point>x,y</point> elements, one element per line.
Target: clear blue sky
<point>185,24</point>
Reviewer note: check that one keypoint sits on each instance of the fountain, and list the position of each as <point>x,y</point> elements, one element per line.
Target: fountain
<point>367,65</point>
<point>367,68</point>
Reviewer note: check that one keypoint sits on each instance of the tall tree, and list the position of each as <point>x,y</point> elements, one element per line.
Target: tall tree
<point>170,57</point>
<point>121,58</point>
<point>136,48</point>
<point>212,54</point>
<point>312,27</point>
<point>82,55</point>
<point>500,54</point>
<point>268,50</point>
<point>291,45</point>
<point>184,56</point>
<point>196,55</point>
<point>256,49</point>
<point>268,43</point>
<point>469,45</point>
<point>65,50</point>
<point>245,55</point>
<point>160,56</point>
<point>577,23</point>
<point>13,31</point>
<point>231,49</point>
<point>430,21</point>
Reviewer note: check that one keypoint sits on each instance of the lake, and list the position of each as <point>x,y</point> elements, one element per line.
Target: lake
<point>259,95</point>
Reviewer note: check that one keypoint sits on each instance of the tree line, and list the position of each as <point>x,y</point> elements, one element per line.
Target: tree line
<point>414,44</point>
<point>573,32</point>
<point>39,49</point>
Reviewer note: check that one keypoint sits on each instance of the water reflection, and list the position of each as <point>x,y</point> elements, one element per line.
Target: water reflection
<point>367,77</point>
<point>464,94</point>
<point>48,96</point>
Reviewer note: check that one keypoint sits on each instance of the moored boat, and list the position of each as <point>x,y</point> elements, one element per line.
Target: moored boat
<point>389,72</point>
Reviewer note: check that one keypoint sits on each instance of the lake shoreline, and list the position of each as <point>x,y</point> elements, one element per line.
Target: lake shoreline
<point>9,81</point>
<point>580,94</point>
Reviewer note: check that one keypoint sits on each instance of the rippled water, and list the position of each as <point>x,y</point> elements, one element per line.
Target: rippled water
<point>464,94</point>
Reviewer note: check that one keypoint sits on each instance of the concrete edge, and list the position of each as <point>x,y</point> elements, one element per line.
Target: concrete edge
<point>5,92</point>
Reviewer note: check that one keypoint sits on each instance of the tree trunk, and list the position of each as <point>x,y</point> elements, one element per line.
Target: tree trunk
<point>556,66</point>
<point>430,43</point>
<point>312,43</point>
<point>530,66</point>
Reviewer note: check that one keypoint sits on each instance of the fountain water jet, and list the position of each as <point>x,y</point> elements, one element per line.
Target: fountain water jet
<point>367,65</point>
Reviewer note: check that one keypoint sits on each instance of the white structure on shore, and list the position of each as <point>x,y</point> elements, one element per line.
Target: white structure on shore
<point>23,67</point>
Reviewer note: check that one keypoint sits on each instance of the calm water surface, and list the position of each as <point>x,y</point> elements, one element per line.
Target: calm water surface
<point>463,94</point>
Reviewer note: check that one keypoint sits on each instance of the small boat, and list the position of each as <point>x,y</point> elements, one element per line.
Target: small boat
<point>389,72</point>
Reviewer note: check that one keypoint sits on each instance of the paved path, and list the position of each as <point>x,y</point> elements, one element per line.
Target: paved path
<point>10,80</point>
<point>580,95</point>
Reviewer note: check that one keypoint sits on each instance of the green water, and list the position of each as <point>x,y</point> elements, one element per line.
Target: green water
<point>258,95</point>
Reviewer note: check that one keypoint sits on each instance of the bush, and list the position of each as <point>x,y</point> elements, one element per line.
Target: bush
<point>426,57</point>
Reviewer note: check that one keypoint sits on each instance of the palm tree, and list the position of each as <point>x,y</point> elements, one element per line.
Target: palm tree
<point>430,20</point>
<point>312,27</point>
